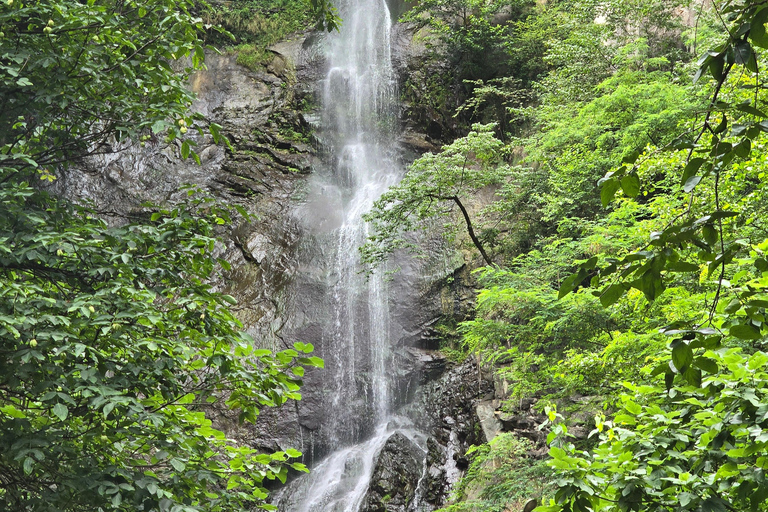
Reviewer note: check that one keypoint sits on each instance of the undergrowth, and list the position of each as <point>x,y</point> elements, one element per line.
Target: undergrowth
<point>255,26</point>
<point>502,476</point>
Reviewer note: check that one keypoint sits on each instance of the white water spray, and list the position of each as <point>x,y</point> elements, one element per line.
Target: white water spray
<point>359,116</point>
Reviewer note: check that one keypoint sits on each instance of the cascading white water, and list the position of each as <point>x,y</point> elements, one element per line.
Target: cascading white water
<point>358,121</point>
<point>358,115</point>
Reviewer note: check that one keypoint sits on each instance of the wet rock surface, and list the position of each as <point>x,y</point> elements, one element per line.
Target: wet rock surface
<point>445,407</point>
<point>436,476</point>
<point>262,170</point>
<point>395,476</point>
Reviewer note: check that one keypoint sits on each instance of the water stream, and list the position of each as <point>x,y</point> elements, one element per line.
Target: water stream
<point>358,124</point>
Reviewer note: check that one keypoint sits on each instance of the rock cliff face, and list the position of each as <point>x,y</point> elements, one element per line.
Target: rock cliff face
<point>395,476</point>
<point>262,171</point>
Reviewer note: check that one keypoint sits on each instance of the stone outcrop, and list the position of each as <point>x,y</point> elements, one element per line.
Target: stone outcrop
<point>261,170</point>
<point>395,476</point>
<point>445,406</point>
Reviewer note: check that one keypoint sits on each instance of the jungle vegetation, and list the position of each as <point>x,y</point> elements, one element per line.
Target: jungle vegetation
<point>114,348</point>
<point>623,254</point>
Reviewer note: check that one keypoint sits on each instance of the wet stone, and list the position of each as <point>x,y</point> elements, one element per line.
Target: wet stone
<point>395,476</point>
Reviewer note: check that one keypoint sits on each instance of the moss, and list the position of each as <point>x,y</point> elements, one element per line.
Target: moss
<point>289,133</point>
<point>502,472</point>
<point>255,26</point>
<point>252,56</point>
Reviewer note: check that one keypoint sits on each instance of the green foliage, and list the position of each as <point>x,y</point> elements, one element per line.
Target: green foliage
<point>473,47</point>
<point>680,269</point>
<point>501,473</point>
<point>261,23</point>
<point>434,185</point>
<point>73,75</point>
<point>465,32</point>
<point>253,26</point>
<point>113,350</point>
<point>689,448</point>
<point>695,441</point>
<point>632,111</point>
<point>541,345</point>
<point>598,39</point>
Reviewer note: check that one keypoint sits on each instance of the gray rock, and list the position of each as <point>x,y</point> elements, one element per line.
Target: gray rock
<point>488,421</point>
<point>395,476</point>
<point>436,484</point>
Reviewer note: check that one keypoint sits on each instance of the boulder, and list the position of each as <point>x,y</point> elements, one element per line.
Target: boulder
<point>490,424</point>
<point>395,476</point>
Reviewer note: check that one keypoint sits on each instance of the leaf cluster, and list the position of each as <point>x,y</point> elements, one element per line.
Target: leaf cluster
<point>74,75</point>
<point>113,350</point>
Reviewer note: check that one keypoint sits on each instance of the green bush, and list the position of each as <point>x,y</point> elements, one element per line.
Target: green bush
<point>501,476</point>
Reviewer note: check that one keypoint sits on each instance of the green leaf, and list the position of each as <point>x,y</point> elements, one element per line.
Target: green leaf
<point>716,66</point>
<point>733,306</point>
<point>691,168</point>
<point>12,411</point>
<point>630,184</point>
<point>691,183</point>
<point>159,126</point>
<point>316,362</point>
<point>693,376</point>
<point>722,214</point>
<point>631,158</point>
<point>682,356</point>
<point>745,55</point>
<point>745,332</point>
<point>714,504</point>
<point>185,149</point>
<point>757,360</point>
<point>757,33</point>
<point>743,148</point>
<point>681,266</point>
<point>720,128</point>
<point>28,465</point>
<point>669,380</point>
<point>215,132</point>
<point>60,411</point>
<point>633,408</point>
<point>749,109</point>
<point>608,191</point>
<point>706,365</point>
<point>611,294</point>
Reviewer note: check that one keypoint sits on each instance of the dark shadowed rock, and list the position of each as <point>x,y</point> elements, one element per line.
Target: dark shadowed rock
<point>436,478</point>
<point>395,476</point>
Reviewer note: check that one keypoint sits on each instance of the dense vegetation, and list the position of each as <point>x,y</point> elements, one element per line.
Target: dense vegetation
<point>627,238</point>
<point>114,349</point>
<point>252,26</point>
<point>624,248</point>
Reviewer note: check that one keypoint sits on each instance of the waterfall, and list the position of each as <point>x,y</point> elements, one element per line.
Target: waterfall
<point>358,126</point>
<point>358,116</point>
